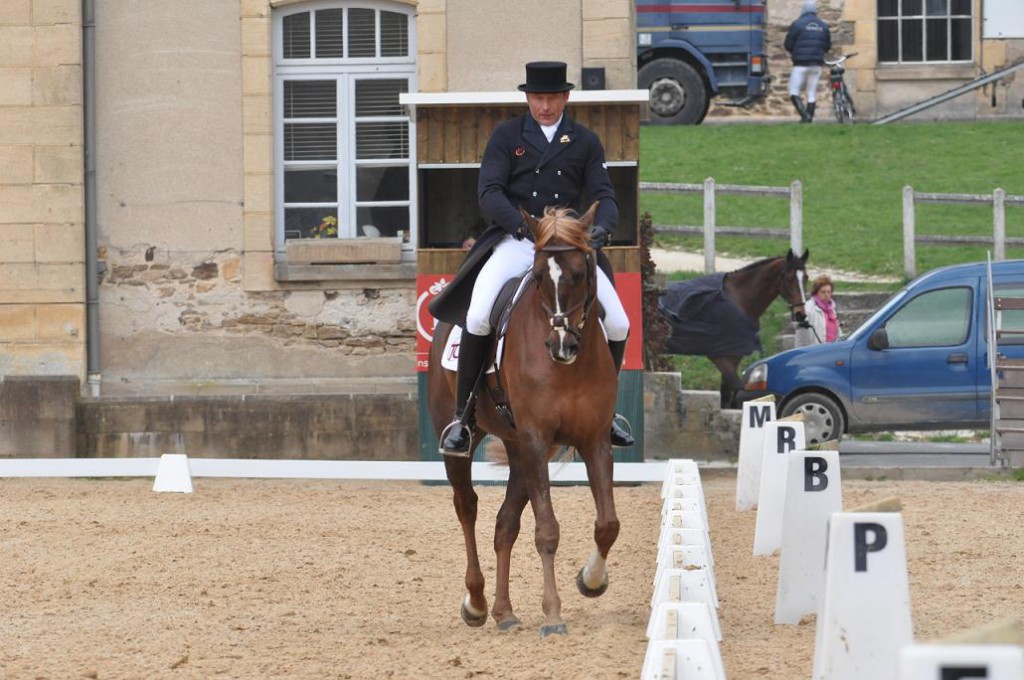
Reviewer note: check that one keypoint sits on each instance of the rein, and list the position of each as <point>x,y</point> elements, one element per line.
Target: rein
<point>562,321</point>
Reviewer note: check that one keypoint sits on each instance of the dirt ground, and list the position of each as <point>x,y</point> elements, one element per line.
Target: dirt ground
<point>314,579</point>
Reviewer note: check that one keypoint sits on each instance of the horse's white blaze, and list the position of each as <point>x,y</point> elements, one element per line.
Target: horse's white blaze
<point>800,280</point>
<point>595,571</point>
<point>555,272</point>
<point>469,607</point>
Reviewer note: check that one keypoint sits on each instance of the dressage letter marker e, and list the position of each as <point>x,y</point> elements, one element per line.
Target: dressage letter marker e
<point>961,662</point>
<point>814,493</point>
<point>780,438</point>
<point>864,612</point>
<point>756,414</point>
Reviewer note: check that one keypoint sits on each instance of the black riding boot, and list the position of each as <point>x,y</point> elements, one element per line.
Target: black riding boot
<point>799,104</point>
<point>810,111</point>
<point>620,438</point>
<point>472,354</point>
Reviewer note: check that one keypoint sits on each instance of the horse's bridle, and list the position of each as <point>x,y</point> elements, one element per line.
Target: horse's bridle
<point>803,300</point>
<point>562,321</point>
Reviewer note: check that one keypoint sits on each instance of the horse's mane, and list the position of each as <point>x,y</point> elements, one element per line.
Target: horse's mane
<point>760,263</point>
<point>562,225</point>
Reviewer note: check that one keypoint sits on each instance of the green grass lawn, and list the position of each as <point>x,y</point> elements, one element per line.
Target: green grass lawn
<point>852,177</point>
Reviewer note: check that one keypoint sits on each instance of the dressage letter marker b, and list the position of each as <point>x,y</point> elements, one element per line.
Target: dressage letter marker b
<point>756,415</point>
<point>814,494</point>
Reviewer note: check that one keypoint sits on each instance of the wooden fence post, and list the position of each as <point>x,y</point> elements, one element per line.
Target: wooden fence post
<point>999,223</point>
<point>796,217</point>
<point>909,256</point>
<point>709,225</point>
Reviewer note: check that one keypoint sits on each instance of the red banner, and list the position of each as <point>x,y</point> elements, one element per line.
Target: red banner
<point>628,285</point>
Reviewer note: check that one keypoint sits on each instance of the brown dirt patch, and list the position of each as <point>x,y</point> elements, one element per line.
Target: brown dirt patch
<point>245,579</point>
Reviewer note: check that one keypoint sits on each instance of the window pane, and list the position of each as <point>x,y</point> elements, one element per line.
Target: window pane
<point>310,99</point>
<point>306,222</point>
<point>387,221</point>
<point>394,34</point>
<point>382,184</point>
<point>939,318</point>
<point>330,35</point>
<point>1011,319</point>
<point>296,36</point>
<point>911,7</point>
<point>913,41</point>
<point>960,40</point>
<point>888,8</point>
<point>310,141</point>
<point>382,140</point>
<point>362,41</point>
<point>888,40</point>
<point>379,97</point>
<point>937,8</point>
<point>937,40</point>
<point>307,185</point>
<point>962,7</point>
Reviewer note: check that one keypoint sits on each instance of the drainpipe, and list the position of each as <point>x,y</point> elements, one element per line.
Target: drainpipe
<point>92,273</point>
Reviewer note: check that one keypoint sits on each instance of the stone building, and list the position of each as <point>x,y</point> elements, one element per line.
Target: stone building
<point>908,51</point>
<point>222,132</point>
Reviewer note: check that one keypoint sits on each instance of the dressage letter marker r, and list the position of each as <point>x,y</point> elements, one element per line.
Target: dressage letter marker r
<point>786,439</point>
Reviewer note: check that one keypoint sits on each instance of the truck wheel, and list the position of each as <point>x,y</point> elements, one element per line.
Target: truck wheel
<point>823,419</point>
<point>678,95</point>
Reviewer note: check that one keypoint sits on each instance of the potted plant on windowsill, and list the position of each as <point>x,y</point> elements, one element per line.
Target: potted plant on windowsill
<point>323,247</point>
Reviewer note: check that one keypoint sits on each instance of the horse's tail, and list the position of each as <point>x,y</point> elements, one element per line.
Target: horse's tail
<point>495,452</point>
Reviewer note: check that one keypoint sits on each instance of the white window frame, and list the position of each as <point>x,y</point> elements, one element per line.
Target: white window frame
<point>923,17</point>
<point>345,72</point>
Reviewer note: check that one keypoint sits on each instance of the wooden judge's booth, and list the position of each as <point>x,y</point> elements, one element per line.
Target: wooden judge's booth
<point>452,130</point>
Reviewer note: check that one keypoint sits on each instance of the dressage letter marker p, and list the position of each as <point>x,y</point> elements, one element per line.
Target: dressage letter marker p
<point>756,415</point>
<point>864,613</point>
<point>814,494</point>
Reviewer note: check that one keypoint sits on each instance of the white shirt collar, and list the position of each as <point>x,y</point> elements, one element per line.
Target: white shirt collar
<point>550,130</point>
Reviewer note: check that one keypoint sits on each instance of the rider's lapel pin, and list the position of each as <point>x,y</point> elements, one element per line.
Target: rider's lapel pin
<point>520,151</point>
<point>564,139</point>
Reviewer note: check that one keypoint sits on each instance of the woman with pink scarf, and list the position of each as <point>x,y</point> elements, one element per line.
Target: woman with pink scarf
<point>822,320</point>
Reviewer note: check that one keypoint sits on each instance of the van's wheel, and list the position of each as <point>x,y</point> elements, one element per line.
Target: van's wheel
<point>823,419</point>
<point>677,91</point>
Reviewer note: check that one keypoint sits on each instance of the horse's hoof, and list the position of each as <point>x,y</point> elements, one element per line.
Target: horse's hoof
<point>590,592</point>
<point>558,629</point>
<point>509,624</point>
<point>471,619</point>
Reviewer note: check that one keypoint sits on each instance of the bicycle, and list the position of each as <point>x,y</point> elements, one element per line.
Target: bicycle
<point>842,102</point>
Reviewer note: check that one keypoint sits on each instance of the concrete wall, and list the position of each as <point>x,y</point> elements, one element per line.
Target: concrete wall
<point>42,270</point>
<point>44,417</point>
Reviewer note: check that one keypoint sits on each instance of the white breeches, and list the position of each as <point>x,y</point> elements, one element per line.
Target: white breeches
<point>511,258</point>
<point>805,75</point>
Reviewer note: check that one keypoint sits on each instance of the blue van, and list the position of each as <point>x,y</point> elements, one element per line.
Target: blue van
<point>919,363</point>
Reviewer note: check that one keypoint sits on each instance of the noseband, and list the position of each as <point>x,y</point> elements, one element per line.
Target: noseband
<point>561,321</point>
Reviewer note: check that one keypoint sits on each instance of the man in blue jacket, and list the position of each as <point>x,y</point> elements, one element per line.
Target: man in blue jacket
<point>807,42</point>
<point>541,158</point>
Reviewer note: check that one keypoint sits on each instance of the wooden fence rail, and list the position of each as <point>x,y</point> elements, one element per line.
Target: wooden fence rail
<point>709,229</point>
<point>998,199</point>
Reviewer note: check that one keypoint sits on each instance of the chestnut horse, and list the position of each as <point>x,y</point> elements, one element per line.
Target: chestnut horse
<point>560,382</point>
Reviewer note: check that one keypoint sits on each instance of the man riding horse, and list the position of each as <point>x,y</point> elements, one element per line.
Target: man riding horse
<point>542,158</point>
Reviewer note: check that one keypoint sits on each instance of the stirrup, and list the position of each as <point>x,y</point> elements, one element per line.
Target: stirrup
<point>626,432</point>
<point>456,453</point>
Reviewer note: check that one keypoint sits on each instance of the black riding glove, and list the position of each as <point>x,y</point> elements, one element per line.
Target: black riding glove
<point>600,236</point>
<point>522,231</point>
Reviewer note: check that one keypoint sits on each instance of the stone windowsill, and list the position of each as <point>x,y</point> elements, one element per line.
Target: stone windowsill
<point>926,72</point>
<point>353,273</point>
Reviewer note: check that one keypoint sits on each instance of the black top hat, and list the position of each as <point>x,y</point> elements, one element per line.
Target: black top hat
<point>546,76</point>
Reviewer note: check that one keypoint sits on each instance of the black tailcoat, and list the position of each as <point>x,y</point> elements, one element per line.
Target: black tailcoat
<point>520,168</point>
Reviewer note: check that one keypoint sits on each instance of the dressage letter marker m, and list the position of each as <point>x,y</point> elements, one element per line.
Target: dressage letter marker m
<point>756,415</point>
